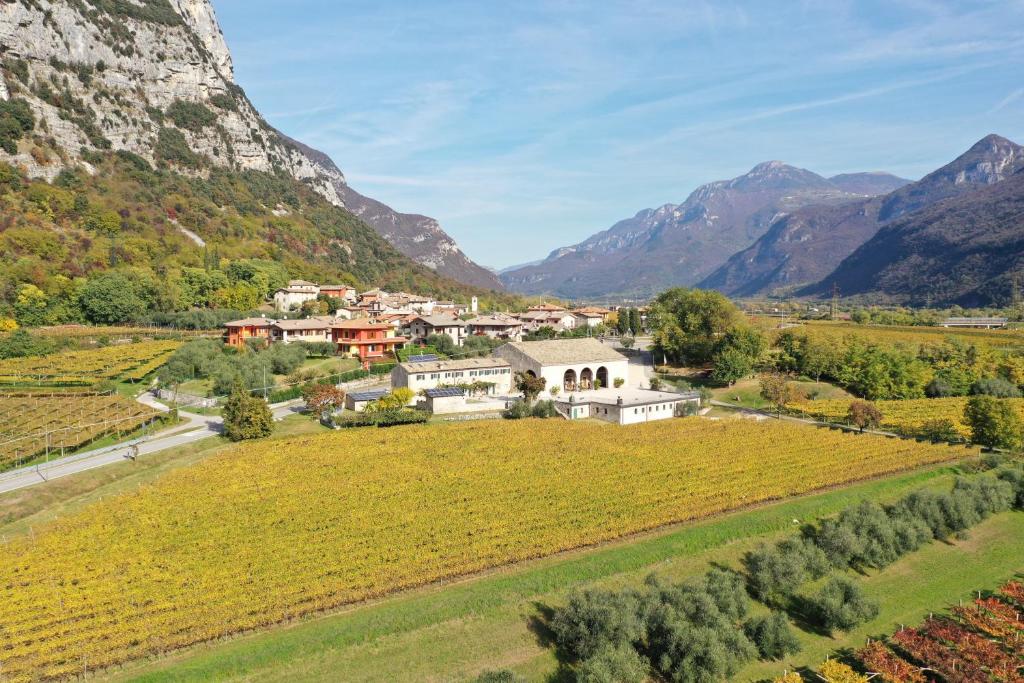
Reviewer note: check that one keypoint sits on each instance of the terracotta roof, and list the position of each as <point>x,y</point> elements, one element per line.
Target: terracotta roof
<point>304,324</point>
<point>251,322</point>
<point>566,351</point>
<point>492,321</point>
<point>359,324</point>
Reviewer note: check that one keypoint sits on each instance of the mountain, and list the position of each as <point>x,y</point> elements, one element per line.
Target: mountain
<point>680,244</point>
<point>155,78</point>
<point>966,250</point>
<point>805,246</point>
<point>868,184</point>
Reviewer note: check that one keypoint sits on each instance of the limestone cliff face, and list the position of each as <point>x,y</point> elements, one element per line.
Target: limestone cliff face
<point>143,76</point>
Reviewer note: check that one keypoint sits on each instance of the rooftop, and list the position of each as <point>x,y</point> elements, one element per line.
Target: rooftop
<point>440,321</point>
<point>493,321</point>
<point>457,364</point>
<point>445,392</point>
<point>360,396</point>
<point>566,351</point>
<point>251,322</point>
<point>360,324</point>
<point>304,324</point>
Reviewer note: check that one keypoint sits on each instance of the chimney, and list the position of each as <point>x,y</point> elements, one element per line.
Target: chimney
<point>618,401</point>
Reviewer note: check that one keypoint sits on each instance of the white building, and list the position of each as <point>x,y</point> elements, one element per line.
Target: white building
<point>423,326</point>
<point>570,364</point>
<point>295,294</point>
<point>628,406</point>
<point>464,372</point>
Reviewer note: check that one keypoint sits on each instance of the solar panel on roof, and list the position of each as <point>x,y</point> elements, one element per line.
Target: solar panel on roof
<point>424,358</point>
<point>445,392</point>
<point>366,395</point>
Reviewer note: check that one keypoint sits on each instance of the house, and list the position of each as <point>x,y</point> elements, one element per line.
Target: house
<point>422,326</point>
<point>316,329</point>
<point>496,327</point>
<point>628,406</point>
<point>237,331</point>
<point>570,364</point>
<point>450,308</point>
<point>357,400</point>
<point>295,294</point>
<point>558,318</point>
<point>445,400</point>
<point>365,339</point>
<point>343,292</point>
<point>464,372</point>
<point>586,318</point>
<point>986,323</point>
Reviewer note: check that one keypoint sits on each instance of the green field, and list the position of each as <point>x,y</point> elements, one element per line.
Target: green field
<point>452,632</point>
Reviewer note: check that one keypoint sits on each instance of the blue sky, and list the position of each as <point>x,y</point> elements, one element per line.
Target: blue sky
<point>527,126</point>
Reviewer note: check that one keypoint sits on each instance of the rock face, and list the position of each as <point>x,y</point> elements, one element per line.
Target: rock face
<point>678,244</point>
<point>807,245</point>
<point>106,76</point>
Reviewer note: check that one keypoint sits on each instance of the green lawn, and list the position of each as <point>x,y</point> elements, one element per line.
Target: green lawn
<point>452,632</point>
<point>747,392</point>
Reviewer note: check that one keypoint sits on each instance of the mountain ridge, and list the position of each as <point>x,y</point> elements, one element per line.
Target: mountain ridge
<point>110,76</point>
<point>678,243</point>
<point>807,245</point>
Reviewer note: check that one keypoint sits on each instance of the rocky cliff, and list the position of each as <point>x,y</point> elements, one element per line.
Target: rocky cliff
<point>155,78</point>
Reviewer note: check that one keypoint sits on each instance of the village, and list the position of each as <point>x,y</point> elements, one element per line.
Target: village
<point>583,372</point>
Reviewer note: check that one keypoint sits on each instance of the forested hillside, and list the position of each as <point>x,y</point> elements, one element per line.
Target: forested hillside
<point>131,240</point>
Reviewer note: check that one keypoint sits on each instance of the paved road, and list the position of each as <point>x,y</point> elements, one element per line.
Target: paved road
<point>194,428</point>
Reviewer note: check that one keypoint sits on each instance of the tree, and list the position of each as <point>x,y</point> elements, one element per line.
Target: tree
<point>996,386</point>
<point>627,342</point>
<point>731,365</point>
<point>30,307</point>
<point>841,605</point>
<point>613,664</point>
<point>529,385</point>
<point>246,416</point>
<point>939,430</point>
<point>777,390</point>
<point>397,399</point>
<point>994,423</point>
<point>444,344</point>
<point>499,676</point>
<point>112,298</point>
<point>594,619</point>
<point>323,398</point>
<point>688,324</point>
<point>789,677</point>
<point>864,415</point>
<point>772,636</point>
<point>776,572</point>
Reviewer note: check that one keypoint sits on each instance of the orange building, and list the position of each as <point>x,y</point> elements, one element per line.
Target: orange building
<point>248,328</point>
<point>365,339</point>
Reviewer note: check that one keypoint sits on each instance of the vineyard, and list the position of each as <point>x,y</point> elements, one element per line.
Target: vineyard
<point>271,531</point>
<point>82,368</point>
<point>983,641</point>
<point>31,424</point>
<point>903,417</point>
<point>995,340</point>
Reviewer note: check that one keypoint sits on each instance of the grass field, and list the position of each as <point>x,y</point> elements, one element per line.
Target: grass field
<point>451,633</point>
<point>349,516</point>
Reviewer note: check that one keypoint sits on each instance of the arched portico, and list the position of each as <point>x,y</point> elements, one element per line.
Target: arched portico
<point>569,380</point>
<point>587,379</point>
<point>602,377</point>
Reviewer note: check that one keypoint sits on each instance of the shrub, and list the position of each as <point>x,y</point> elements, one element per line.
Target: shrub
<point>191,116</point>
<point>224,101</point>
<point>776,572</point>
<point>939,430</point>
<point>841,605</point>
<point>995,386</point>
<point>172,148</point>
<point>594,619</point>
<point>837,672</point>
<point>543,409</point>
<point>772,636</point>
<point>864,415</point>
<point>621,664</point>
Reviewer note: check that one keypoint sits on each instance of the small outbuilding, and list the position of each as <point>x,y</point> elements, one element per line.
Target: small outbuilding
<point>357,400</point>
<point>630,406</point>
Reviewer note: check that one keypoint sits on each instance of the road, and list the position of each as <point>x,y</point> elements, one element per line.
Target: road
<point>193,428</point>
